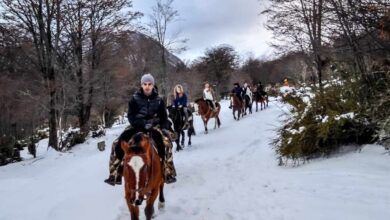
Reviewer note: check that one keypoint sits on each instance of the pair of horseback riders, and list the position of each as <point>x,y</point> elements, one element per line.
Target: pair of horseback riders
<point>147,113</point>
<point>240,92</point>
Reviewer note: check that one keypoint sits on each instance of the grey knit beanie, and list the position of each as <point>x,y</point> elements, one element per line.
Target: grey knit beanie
<point>147,78</point>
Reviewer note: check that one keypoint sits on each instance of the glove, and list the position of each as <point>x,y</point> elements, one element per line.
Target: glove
<point>148,126</point>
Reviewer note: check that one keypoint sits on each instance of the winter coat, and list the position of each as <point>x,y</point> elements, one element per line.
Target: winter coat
<point>238,91</point>
<point>208,94</point>
<point>147,109</point>
<point>180,101</point>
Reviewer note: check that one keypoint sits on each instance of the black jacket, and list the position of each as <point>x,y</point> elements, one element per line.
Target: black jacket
<point>145,109</point>
<point>238,91</point>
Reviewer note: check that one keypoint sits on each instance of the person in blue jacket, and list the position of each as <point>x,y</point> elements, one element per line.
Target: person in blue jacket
<point>180,101</point>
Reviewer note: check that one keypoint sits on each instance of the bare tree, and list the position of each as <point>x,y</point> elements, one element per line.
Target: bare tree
<point>89,25</point>
<point>39,18</point>
<point>163,15</point>
<point>300,25</point>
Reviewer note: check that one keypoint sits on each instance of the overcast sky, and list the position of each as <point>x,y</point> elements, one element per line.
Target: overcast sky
<point>209,23</point>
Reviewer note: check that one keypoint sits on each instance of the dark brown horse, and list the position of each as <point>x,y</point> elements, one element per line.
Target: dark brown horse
<point>206,112</point>
<point>260,98</point>
<point>237,106</point>
<point>143,175</point>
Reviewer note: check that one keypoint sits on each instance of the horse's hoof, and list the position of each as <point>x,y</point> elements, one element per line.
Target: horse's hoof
<point>161,205</point>
<point>189,143</point>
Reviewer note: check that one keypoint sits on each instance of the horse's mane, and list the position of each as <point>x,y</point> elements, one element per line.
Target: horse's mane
<point>135,144</point>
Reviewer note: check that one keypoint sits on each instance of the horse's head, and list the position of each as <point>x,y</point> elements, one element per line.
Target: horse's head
<point>201,105</point>
<point>172,112</point>
<point>137,163</point>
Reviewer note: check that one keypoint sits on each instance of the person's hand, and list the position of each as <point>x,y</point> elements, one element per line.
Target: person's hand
<point>148,126</point>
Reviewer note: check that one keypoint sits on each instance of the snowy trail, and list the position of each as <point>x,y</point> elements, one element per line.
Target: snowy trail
<point>230,173</point>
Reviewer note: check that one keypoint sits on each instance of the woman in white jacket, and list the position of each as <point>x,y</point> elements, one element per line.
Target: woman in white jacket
<point>209,96</point>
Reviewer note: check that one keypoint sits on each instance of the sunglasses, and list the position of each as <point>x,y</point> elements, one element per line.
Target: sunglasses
<point>147,84</point>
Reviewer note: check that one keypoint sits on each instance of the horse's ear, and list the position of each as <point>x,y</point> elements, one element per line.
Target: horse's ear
<point>125,146</point>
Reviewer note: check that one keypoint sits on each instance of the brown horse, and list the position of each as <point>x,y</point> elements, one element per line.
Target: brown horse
<point>206,112</point>
<point>263,99</point>
<point>143,175</point>
<point>237,106</point>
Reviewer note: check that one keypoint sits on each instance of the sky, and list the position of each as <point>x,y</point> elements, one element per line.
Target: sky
<point>209,23</point>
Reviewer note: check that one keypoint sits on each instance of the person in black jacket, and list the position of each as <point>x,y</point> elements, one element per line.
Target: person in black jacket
<point>238,91</point>
<point>147,113</point>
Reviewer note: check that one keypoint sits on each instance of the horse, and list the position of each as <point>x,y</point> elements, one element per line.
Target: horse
<point>206,112</point>
<point>237,106</point>
<point>262,98</point>
<point>247,103</point>
<point>178,120</point>
<point>143,174</point>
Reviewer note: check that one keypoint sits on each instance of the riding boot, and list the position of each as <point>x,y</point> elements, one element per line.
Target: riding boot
<point>213,106</point>
<point>186,124</point>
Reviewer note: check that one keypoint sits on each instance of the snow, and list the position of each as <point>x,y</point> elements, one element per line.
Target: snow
<point>230,173</point>
<point>350,115</point>
<point>286,90</point>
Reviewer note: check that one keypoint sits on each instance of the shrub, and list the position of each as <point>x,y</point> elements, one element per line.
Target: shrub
<point>320,123</point>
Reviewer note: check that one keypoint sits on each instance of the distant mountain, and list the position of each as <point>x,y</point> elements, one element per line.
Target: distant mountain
<point>146,50</point>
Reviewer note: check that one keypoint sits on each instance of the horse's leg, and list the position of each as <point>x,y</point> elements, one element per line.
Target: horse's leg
<point>161,198</point>
<point>183,137</point>
<point>189,133</point>
<point>205,125</point>
<point>149,209</point>
<point>256,106</point>
<point>178,147</point>
<point>134,211</point>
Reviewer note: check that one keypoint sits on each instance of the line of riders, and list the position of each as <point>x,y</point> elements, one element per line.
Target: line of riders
<point>147,113</point>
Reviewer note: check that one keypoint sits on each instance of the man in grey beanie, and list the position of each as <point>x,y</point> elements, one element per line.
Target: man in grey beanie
<point>147,113</point>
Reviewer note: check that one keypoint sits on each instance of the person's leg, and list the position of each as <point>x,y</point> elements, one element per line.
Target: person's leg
<point>116,156</point>
<point>169,167</point>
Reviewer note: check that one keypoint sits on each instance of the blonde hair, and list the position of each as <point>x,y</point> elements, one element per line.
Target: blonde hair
<point>180,87</point>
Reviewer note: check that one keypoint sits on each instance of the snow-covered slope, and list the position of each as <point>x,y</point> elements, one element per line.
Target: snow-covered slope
<point>230,173</point>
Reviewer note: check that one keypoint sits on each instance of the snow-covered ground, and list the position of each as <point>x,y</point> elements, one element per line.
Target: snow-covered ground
<point>230,173</point>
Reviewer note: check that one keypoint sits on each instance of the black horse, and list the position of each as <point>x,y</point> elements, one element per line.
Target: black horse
<point>247,104</point>
<point>178,120</point>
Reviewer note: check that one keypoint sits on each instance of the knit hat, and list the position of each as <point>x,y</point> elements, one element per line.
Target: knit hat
<point>147,78</point>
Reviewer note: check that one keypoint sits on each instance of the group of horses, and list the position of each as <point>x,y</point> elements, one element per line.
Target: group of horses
<point>143,169</point>
<point>241,105</point>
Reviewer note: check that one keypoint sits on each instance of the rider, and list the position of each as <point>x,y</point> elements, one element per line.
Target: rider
<point>147,113</point>
<point>260,89</point>
<point>238,91</point>
<point>180,102</point>
<point>209,96</point>
<point>247,91</point>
